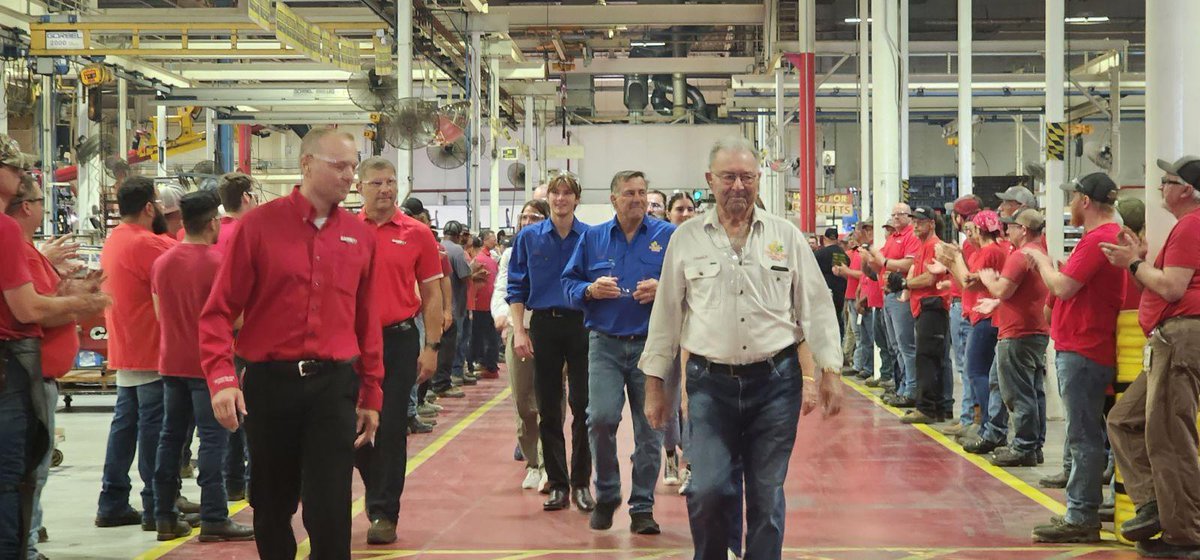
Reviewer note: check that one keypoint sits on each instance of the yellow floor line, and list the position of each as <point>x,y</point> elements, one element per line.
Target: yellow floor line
<point>304,548</point>
<point>651,553</point>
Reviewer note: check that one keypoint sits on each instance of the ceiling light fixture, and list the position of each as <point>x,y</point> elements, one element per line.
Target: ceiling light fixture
<point>647,44</point>
<point>855,20</point>
<point>1086,19</point>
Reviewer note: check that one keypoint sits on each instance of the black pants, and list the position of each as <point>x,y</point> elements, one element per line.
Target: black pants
<point>382,465</point>
<point>932,330</point>
<point>301,433</point>
<point>559,338</point>
<point>839,304</point>
<point>445,361</point>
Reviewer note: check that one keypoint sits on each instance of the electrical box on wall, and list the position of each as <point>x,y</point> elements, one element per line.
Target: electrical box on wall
<point>829,158</point>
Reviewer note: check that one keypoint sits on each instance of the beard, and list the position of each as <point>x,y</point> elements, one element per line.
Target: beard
<point>159,225</point>
<point>1076,217</point>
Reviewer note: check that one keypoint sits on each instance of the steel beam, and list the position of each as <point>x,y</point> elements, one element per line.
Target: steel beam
<point>692,66</point>
<point>850,102</point>
<point>299,117</point>
<point>601,15</point>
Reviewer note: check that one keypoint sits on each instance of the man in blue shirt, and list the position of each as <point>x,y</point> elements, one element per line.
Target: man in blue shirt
<point>556,335</point>
<point>613,277</point>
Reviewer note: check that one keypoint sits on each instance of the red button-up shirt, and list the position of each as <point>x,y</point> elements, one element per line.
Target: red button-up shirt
<point>306,294</point>
<point>405,252</point>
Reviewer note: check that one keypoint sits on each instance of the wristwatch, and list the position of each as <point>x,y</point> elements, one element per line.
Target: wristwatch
<point>1133,266</point>
<point>435,346</point>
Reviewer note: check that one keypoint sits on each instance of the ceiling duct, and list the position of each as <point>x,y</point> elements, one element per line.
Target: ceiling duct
<point>637,93</point>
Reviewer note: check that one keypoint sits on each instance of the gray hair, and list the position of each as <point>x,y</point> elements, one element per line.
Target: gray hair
<point>374,163</point>
<point>624,176</point>
<point>732,144</point>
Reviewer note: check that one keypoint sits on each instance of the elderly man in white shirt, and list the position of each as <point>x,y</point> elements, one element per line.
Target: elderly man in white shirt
<point>740,290</point>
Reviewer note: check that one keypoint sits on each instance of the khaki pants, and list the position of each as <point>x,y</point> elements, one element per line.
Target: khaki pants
<point>520,379</point>
<point>1153,431</point>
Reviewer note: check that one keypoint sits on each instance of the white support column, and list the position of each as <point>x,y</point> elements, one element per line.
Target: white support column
<point>529,139</point>
<point>1055,175</point>
<point>161,132</point>
<point>494,119</point>
<point>1019,144</point>
<point>864,110</point>
<point>904,90</point>
<point>477,134</point>
<point>4,100</point>
<point>1171,98</point>
<point>122,118</point>
<point>966,129</point>
<point>541,134</point>
<point>885,103</point>
<point>1114,108</point>
<point>88,172</point>
<point>211,146</point>
<point>47,149</point>
<point>404,87</point>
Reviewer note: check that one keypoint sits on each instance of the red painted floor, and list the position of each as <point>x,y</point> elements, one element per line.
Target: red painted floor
<point>861,486</point>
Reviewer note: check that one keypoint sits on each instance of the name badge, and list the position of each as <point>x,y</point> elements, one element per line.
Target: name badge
<point>350,240</point>
<point>399,242</point>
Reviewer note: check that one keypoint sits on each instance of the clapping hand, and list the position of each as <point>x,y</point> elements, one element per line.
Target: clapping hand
<point>1128,249</point>
<point>646,290</point>
<point>989,276</point>
<point>59,250</point>
<point>605,287</point>
<point>986,305</point>
<point>936,268</point>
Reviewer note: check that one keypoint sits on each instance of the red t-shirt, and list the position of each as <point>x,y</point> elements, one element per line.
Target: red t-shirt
<point>926,253</point>
<point>852,282</point>
<point>900,245</point>
<point>484,287</point>
<point>1180,250</point>
<point>182,279</point>
<point>228,226</point>
<point>1133,293</point>
<point>405,253</point>
<point>127,257</point>
<point>1087,323</point>
<point>1021,314</point>
<point>990,256</point>
<point>60,344</point>
<point>14,273</point>
<point>969,248</point>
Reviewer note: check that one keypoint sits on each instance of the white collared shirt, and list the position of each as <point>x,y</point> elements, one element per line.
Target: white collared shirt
<point>740,309</point>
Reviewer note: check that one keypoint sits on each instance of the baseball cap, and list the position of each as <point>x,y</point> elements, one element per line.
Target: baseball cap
<point>1133,213</point>
<point>831,233</point>
<point>966,206</point>
<point>453,229</point>
<point>1028,217</point>
<point>169,196</point>
<point>1186,167</point>
<point>1020,195</point>
<point>11,154</point>
<point>412,206</point>
<point>922,213</point>
<point>1098,186</point>
<point>869,222</point>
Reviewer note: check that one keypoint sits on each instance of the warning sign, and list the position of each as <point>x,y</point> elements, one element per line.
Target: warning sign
<point>836,204</point>
<point>1056,141</point>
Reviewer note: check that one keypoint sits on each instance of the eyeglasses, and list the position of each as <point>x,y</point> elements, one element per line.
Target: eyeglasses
<point>1166,181</point>
<point>339,166</point>
<point>731,178</point>
<point>379,184</point>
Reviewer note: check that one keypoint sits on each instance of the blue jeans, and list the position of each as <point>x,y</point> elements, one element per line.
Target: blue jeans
<point>980,355</point>
<point>753,419</point>
<point>483,340</point>
<point>462,353</point>
<point>43,468</point>
<point>673,430</point>
<point>864,352</point>
<point>613,371</point>
<point>889,367</point>
<point>960,331</point>
<point>136,424</point>
<point>902,335</point>
<point>1081,384</point>
<point>186,400</point>
<point>1021,364</point>
<point>16,419</point>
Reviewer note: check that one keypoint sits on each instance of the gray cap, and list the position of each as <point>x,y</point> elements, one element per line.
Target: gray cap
<point>169,196</point>
<point>1186,168</point>
<point>1019,195</point>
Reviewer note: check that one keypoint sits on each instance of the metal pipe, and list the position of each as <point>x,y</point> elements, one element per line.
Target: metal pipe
<point>529,151</point>
<point>404,87</point>
<point>48,159</point>
<point>1019,137</point>
<point>864,109</point>
<point>475,146</point>
<point>494,115</point>
<point>679,97</point>
<point>1055,75</point>
<point>966,129</point>
<point>903,91</point>
<point>160,131</point>
<point>122,116</point>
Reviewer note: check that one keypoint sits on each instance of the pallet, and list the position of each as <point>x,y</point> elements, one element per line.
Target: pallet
<point>86,382</point>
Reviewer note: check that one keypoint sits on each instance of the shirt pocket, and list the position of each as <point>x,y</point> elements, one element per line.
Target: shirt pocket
<point>651,264</point>
<point>349,269</point>
<point>599,268</point>
<point>775,281</point>
<point>703,284</point>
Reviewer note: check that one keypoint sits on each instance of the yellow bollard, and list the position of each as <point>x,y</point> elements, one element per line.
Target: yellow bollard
<point>1130,345</point>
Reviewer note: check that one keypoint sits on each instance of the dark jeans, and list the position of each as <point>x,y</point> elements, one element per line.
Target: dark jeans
<point>301,432</point>
<point>17,460</point>
<point>237,474</point>
<point>932,330</point>
<point>751,419</point>
<point>136,425</point>
<point>382,465</point>
<point>560,338</point>
<point>483,340</point>
<point>1021,364</point>
<point>463,355</point>
<point>981,352</point>
<point>187,399</point>
<point>445,362</point>
<point>889,367</point>
<point>1081,384</point>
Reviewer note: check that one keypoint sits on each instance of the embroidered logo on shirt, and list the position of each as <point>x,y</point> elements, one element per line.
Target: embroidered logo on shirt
<point>775,251</point>
<point>350,240</point>
<point>399,242</point>
<point>655,247</point>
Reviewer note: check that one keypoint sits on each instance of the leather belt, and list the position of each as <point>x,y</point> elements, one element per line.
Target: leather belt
<point>557,312</point>
<point>746,370</point>
<point>402,326</point>
<point>624,338</point>
<point>305,368</point>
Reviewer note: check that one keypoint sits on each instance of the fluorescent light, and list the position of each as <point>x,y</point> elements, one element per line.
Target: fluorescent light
<point>1087,19</point>
<point>855,20</point>
<point>647,44</point>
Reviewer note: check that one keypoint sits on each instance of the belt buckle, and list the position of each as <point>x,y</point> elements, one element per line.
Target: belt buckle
<point>301,365</point>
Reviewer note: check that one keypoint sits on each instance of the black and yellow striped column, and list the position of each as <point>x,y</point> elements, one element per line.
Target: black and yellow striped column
<point>1130,345</point>
<point>1056,141</point>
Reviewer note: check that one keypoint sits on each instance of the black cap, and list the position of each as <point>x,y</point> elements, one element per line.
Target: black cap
<point>412,206</point>
<point>922,213</point>
<point>1097,186</point>
<point>198,203</point>
<point>453,229</point>
<point>831,233</point>
<point>1186,168</point>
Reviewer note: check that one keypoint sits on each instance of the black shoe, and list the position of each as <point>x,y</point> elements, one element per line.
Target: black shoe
<point>643,524</point>
<point>131,517</point>
<point>1158,548</point>
<point>236,495</point>
<point>1058,480</point>
<point>173,529</point>
<point>602,516</point>
<point>583,499</point>
<point>43,536</point>
<point>557,501</point>
<point>1144,525</point>
<point>1009,457</point>
<point>865,375</point>
<point>902,402</point>
<point>1041,457</point>
<point>186,506</point>
<point>850,372</point>
<point>382,531</point>
<point>981,446</point>
<point>226,531</point>
<point>1061,532</point>
<point>1107,514</point>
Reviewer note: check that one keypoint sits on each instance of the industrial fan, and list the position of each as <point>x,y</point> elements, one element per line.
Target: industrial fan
<point>413,124</point>
<point>449,156</point>
<point>452,122</point>
<point>1099,154</point>
<point>1037,171</point>
<point>372,92</point>
<point>516,174</point>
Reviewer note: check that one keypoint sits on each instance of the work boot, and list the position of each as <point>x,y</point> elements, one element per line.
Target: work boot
<point>1009,457</point>
<point>131,517</point>
<point>1057,480</point>
<point>172,529</point>
<point>186,506</point>
<point>1144,524</point>
<point>601,518</point>
<point>382,531</point>
<point>1159,548</point>
<point>225,531</point>
<point>1059,531</point>
<point>643,523</point>
<point>981,446</point>
<point>917,417</point>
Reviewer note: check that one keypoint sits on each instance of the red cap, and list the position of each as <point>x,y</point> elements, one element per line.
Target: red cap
<point>966,206</point>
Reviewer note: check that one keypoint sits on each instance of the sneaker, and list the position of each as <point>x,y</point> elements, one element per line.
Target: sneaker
<point>980,446</point>
<point>1057,480</point>
<point>1059,531</point>
<point>226,531</point>
<point>452,393</point>
<point>875,382</point>
<point>917,417</point>
<point>427,410</point>
<point>517,454</point>
<point>543,481</point>
<point>1159,548</point>
<point>1009,457</point>
<point>1144,524</point>
<point>601,518</point>
<point>416,426</point>
<point>887,385</point>
<point>685,480</point>
<point>532,477</point>
<point>671,474</point>
<point>431,398</point>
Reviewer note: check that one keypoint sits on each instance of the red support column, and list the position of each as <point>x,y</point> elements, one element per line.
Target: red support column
<point>243,140</point>
<point>806,118</point>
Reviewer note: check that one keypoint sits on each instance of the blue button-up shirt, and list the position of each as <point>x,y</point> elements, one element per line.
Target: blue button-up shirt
<point>604,251</point>
<point>538,259</point>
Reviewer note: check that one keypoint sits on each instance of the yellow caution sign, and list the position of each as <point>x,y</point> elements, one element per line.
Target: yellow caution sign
<point>1056,141</point>
<point>904,190</point>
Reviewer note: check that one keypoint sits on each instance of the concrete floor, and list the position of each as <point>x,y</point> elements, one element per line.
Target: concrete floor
<point>862,486</point>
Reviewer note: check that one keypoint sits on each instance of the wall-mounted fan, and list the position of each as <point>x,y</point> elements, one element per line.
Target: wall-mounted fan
<point>372,92</point>
<point>412,125</point>
<point>452,121</point>
<point>449,156</point>
<point>516,174</point>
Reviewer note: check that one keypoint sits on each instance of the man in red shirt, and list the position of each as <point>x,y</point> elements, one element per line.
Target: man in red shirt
<point>964,210</point>
<point>127,257</point>
<point>1083,326</point>
<point>24,416</point>
<point>930,305</point>
<point>406,255</point>
<point>1152,427</point>
<point>299,270</point>
<point>484,341</point>
<point>897,256</point>
<point>860,324</point>
<point>1021,350</point>
<point>180,282</point>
